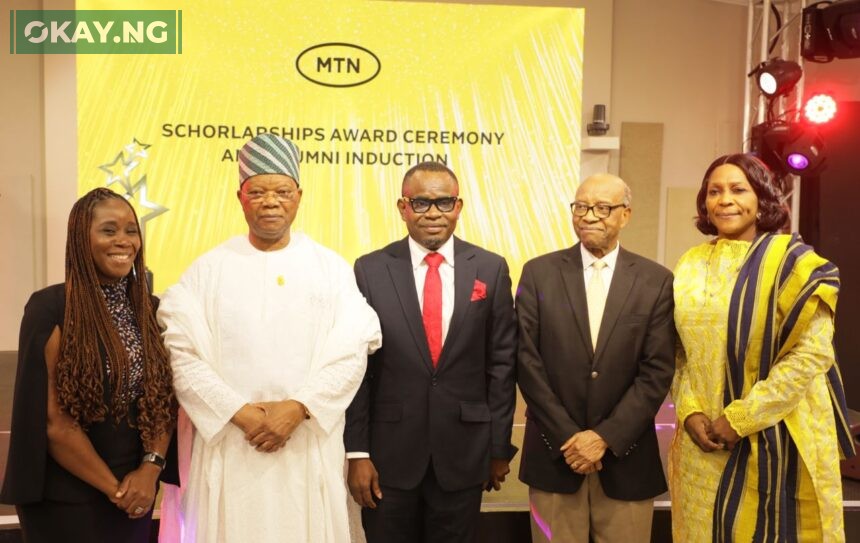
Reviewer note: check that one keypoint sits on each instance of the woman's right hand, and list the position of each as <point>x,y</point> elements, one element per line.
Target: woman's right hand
<point>697,426</point>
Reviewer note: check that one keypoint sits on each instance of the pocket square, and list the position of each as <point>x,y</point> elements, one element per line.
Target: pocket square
<point>479,291</point>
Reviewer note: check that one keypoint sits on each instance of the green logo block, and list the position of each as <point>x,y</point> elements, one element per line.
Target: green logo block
<point>86,32</point>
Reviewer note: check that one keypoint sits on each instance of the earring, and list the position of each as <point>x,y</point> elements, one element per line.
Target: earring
<point>758,216</point>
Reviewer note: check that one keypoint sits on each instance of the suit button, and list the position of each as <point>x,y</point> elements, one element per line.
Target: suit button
<point>433,382</point>
<point>594,375</point>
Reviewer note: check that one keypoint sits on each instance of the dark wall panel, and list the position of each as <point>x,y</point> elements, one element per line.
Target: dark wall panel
<point>830,220</point>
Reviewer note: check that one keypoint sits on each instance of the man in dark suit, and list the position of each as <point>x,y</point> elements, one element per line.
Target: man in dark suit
<point>430,427</point>
<point>595,361</point>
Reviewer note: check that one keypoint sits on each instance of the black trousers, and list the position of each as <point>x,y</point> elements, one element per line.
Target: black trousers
<point>98,521</point>
<point>425,514</point>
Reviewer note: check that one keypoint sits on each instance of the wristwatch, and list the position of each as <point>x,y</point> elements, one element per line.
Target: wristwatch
<point>155,458</point>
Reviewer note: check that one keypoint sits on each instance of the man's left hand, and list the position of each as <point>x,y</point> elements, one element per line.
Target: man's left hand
<point>499,468</point>
<point>583,449</point>
<point>282,418</point>
<point>722,432</point>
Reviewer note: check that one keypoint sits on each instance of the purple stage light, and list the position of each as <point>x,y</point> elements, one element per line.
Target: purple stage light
<point>797,161</point>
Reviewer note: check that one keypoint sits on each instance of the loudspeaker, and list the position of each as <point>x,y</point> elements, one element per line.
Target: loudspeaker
<point>598,126</point>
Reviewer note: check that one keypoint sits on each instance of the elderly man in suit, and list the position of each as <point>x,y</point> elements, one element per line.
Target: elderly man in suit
<point>430,427</point>
<point>595,361</point>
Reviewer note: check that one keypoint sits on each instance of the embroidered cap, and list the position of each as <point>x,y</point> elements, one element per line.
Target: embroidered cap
<point>268,153</point>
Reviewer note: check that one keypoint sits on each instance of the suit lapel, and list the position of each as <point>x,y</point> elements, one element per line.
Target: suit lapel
<point>622,283</point>
<point>571,273</point>
<point>465,273</point>
<point>400,269</point>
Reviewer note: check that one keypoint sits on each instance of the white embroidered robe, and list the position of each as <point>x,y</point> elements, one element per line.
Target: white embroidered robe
<point>244,326</point>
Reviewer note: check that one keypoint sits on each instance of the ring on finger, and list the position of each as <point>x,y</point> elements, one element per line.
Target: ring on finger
<point>138,510</point>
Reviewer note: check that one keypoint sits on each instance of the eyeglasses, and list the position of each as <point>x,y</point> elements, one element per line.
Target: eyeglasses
<point>601,211</point>
<point>258,195</point>
<point>422,205</point>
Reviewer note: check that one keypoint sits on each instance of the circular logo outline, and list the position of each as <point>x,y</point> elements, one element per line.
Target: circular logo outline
<point>344,44</point>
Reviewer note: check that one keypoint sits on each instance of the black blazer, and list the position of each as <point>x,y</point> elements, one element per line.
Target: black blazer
<point>31,474</point>
<point>615,391</point>
<point>406,414</point>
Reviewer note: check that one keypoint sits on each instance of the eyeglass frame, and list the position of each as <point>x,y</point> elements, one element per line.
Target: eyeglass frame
<point>432,202</point>
<point>264,194</point>
<point>593,209</point>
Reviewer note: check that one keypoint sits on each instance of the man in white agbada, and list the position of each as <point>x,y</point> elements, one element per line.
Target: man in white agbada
<point>268,338</point>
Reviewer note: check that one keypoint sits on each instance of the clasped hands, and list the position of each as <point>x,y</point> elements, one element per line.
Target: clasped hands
<point>136,493</point>
<point>583,452</point>
<point>269,425</point>
<point>711,435</point>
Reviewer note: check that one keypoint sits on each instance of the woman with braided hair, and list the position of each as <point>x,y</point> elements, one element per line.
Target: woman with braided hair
<point>94,409</point>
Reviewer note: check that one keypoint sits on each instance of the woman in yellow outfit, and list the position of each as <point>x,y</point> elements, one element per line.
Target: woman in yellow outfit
<point>758,395</point>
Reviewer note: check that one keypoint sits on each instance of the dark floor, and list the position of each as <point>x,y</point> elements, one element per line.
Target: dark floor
<point>505,514</point>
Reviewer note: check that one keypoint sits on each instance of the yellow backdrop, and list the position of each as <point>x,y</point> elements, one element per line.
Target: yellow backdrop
<point>492,90</point>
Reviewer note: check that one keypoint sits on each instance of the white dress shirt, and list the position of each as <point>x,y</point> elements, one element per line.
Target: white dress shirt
<point>610,259</point>
<point>417,253</point>
<point>446,274</point>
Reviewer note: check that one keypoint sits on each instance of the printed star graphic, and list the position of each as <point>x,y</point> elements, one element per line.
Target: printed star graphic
<point>135,150</point>
<point>117,172</point>
<point>139,193</point>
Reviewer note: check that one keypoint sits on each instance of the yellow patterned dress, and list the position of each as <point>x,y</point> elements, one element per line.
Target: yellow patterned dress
<point>795,391</point>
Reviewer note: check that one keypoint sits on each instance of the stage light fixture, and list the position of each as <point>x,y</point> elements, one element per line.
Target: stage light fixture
<point>776,77</point>
<point>805,155</point>
<point>820,109</point>
<point>830,30</point>
<point>789,148</point>
<point>797,161</point>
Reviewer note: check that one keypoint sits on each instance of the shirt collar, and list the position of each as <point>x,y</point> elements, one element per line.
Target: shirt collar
<point>609,258</point>
<point>417,252</point>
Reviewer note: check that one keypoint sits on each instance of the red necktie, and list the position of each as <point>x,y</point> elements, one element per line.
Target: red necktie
<point>432,311</point>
